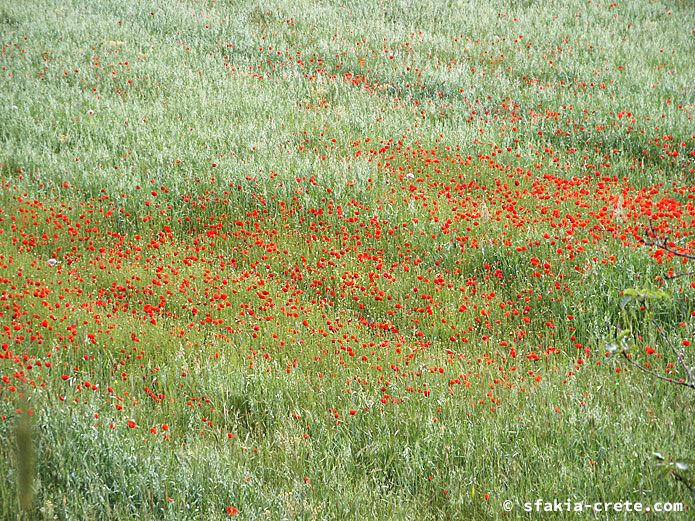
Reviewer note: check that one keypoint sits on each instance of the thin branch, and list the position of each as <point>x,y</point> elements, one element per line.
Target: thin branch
<point>681,358</point>
<point>689,385</point>
<point>677,275</point>
<point>685,481</point>
<point>662,243</point>
<point>680,355</point>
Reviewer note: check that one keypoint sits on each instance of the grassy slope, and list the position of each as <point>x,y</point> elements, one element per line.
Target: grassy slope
<point>99,98</point>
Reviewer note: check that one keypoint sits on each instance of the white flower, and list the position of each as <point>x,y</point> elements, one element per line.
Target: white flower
<point>52,262</point>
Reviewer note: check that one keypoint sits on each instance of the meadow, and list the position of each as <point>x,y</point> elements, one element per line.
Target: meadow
<point>345,260</point>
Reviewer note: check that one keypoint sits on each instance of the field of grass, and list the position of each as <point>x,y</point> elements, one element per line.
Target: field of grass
<point>345,260</point>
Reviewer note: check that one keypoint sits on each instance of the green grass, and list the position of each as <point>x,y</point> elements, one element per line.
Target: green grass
<point>342,260</point>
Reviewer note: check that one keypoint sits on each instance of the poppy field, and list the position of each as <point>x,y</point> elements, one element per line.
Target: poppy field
<point>345,260</point>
